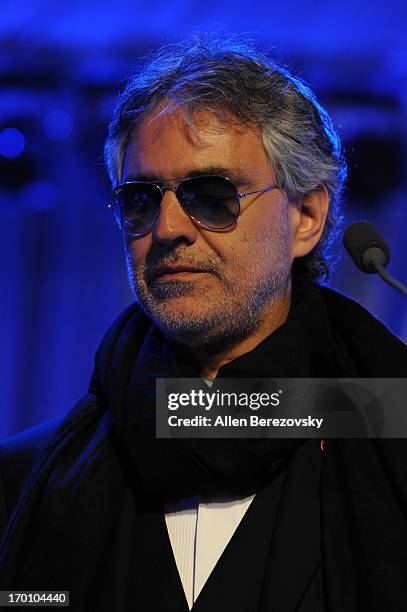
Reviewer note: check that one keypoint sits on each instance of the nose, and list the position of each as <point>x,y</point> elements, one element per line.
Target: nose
<point>173,224</point>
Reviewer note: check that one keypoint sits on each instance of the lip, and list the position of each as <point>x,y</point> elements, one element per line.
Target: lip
<point>179,269</point>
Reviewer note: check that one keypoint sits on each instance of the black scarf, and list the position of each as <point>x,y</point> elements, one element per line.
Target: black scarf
<point>90,517</point>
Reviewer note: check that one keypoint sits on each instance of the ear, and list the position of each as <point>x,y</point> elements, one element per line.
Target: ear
<point>310,216</point>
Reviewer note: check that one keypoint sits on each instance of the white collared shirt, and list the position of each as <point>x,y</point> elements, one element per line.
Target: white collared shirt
<point>199,532</point>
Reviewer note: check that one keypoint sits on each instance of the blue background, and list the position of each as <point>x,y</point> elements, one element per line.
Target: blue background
<point>63,277</point>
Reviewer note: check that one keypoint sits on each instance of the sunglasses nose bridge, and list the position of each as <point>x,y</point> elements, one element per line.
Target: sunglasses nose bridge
<point>172,220</point>
<point>169,187</point>
<point>177,190</point>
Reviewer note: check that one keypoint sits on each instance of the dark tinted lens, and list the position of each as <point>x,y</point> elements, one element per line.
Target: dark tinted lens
<point>210,200</point>
<point>135,206</point>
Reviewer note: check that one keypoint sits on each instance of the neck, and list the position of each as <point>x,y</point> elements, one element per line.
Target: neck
<point>209,361</point>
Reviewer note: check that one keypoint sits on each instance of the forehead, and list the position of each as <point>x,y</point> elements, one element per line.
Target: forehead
<point>164,147</point>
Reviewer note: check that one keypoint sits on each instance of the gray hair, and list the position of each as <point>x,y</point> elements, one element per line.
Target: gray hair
<point>236,82</point>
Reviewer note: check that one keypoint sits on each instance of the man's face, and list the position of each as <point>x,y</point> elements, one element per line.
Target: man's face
<point>242,271</point>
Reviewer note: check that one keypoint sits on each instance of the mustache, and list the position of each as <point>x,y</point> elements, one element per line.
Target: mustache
<point>153,262</point>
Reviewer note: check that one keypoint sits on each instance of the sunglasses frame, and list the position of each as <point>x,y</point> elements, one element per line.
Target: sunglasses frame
<point>166,185</point>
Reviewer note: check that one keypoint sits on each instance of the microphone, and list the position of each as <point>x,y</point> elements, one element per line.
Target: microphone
<point>370,252</point>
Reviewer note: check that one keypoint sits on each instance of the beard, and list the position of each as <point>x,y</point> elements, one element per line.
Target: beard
<point>219,318</point>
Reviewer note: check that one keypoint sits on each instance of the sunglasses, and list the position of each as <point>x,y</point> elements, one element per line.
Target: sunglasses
<point>211,201</point>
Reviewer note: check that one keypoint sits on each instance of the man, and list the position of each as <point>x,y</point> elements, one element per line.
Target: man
<point>227,176</point>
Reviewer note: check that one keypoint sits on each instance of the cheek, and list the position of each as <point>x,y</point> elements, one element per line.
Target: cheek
<point>265,247</point>
<point>138,249</point>
<point>265,239</point>
<point>243,254</point>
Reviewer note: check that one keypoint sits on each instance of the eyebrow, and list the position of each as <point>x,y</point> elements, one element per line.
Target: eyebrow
<point>239,177</point>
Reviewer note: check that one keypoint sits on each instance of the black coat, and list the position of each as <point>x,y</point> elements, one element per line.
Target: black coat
<point>326,554</point>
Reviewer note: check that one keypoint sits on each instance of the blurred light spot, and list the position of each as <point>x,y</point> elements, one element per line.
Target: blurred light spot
<point>12,142</point>
<point>39,195</point>
<point>58,125</point>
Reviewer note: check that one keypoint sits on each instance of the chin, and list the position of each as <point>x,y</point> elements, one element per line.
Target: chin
<point>179,313</point>
<point>182,318</point>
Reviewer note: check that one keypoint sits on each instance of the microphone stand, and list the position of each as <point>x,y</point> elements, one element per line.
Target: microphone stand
<point>388,278</point>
